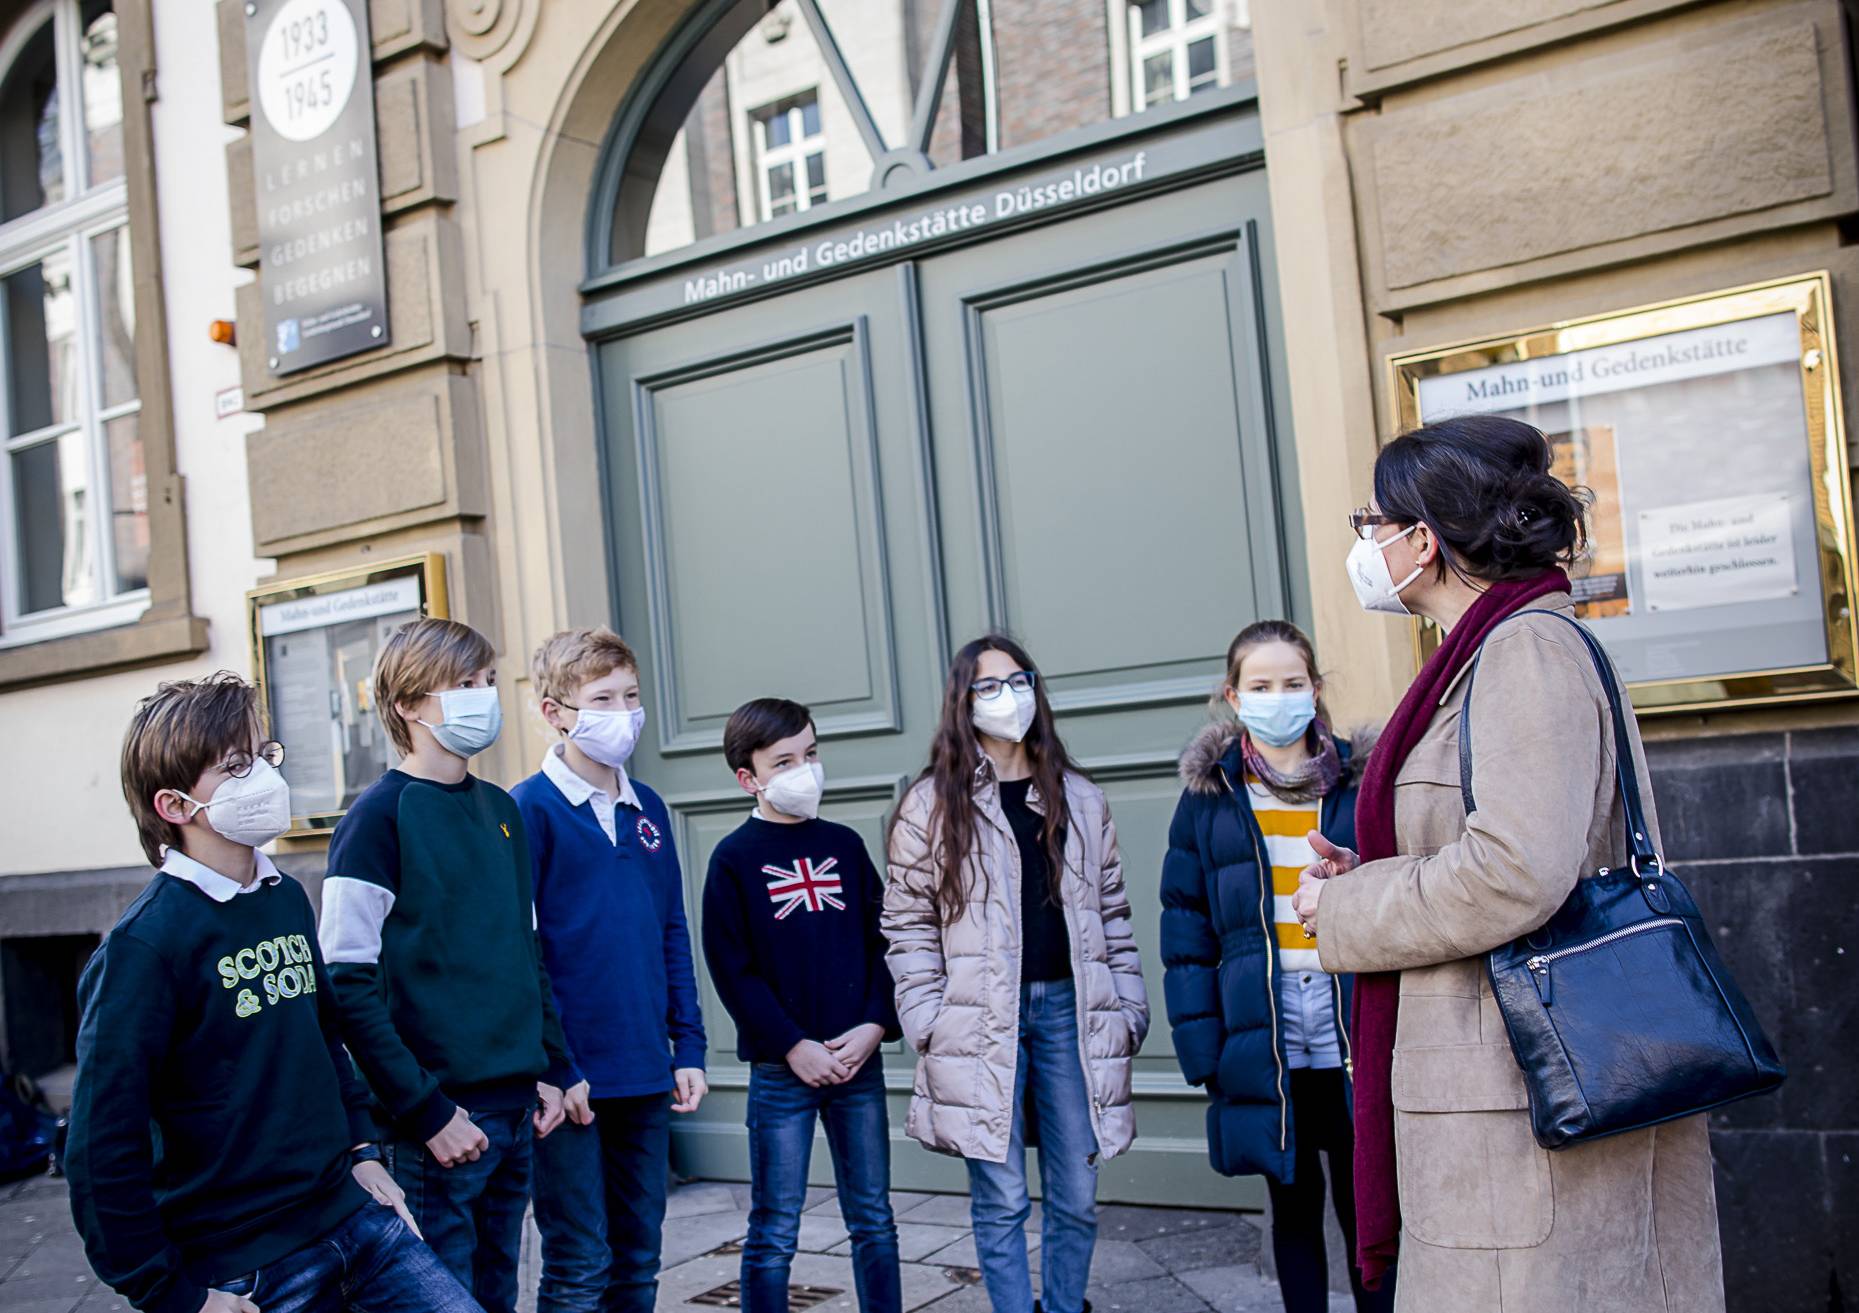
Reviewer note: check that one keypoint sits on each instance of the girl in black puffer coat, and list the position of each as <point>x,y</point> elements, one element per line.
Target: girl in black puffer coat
<point>1256,1021</point>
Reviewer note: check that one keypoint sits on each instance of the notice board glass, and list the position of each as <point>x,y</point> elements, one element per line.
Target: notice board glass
<point>1708,433</point>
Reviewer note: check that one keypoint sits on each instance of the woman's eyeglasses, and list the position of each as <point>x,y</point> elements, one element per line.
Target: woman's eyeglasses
<point>240,764</point>
<point>1021,681</point>
<point>1364,522</point>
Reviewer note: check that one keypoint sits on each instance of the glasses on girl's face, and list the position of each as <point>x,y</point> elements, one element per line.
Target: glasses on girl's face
<point>240,764</point>
<point>1363,522</point>
<point>1021,681</point>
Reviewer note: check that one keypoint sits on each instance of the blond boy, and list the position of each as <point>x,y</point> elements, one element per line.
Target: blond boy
<point>610,905</point>
<point>428,931</point>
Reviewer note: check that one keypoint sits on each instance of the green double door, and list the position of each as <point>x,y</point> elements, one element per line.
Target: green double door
<point>1067,430</point>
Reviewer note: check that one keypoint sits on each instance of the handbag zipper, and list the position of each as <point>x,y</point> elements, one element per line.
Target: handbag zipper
<point>1539,965</point>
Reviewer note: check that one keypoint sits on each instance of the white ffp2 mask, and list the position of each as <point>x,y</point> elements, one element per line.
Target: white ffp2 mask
<point>797,790</point>
<point>1373,581</point>
<point>250,809</point>
<point>1007,715</point>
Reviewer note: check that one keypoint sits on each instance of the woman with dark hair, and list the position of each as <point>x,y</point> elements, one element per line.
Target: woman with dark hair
<point>1255,1018</point>
<point>1018,981</point>
<point>1473,533</point>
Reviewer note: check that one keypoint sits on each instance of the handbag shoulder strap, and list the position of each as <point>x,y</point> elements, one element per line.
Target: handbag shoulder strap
<point>1626,773</point>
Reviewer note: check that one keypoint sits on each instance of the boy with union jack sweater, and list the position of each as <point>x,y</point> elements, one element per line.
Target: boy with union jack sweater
<point>791,933</point>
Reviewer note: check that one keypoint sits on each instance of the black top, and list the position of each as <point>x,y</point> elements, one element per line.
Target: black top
<point>1045,947</point>
<point>214,1109</point>
<point>791,935</point>
<point>429,931</point>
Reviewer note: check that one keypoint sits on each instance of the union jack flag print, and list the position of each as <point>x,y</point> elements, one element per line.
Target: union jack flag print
<point>815,888</point>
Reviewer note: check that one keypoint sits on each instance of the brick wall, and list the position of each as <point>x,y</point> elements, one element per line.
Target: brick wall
<point>1052,69</point>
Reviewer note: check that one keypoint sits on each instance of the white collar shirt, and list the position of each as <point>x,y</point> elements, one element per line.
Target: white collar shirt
<point>220,888</point>
<point>577,791</point>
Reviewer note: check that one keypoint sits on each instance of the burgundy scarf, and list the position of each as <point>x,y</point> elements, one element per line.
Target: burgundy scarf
<point>1378,996</point>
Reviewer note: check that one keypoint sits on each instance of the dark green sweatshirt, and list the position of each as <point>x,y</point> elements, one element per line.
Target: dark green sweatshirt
<point>430,936</point>
<point>214,1109</point>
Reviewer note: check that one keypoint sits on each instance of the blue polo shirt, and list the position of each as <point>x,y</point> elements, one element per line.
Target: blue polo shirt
<point>615,940</point>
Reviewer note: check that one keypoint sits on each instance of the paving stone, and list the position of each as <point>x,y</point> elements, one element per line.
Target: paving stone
<point>1128,1222</point>
<point>915,1241</point>
<point>697,1235</point>
<point>964,1299</point>
<point>941,1210</point>
<point>678,1285</point>
<point>902,1201</point>
<point>1116,1261</point>
<point>700,1197</point>
<point>1241,1289</point>
<point>962,1252</point>
<point>1214,1246</point>
<point>1156,1295</point>
<point>820,1233</point>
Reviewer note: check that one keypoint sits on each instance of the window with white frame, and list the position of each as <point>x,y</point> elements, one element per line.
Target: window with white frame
<point>1177,48</point>
<point>73,489</point>
<point>790,154</point>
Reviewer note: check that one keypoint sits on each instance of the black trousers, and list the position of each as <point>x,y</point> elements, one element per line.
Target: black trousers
<point>1320,1120</point>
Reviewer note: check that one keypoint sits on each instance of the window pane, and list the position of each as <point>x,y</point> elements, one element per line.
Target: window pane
<point>810,117</point>
<point>41,340</point>
<point>116,316</point>
<point>1153,15</point>
<point>777,128</point>
<point>103,94</point>
<point>31,163</point>
<point>780,189</point>
<point>1198,8</point>
<point>52,534</point>
<point>128,502</point>
<point>816,178</point>
<point>1201,65</point>
<point>1158,79</point>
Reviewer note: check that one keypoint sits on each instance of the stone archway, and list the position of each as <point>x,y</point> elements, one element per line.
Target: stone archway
<point>536,93</point>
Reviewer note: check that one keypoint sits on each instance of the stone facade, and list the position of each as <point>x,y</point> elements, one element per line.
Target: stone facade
<point>1461,171</point>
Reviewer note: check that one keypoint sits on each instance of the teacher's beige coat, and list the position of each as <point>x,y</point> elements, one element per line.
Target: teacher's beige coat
<point>1491,1222</point>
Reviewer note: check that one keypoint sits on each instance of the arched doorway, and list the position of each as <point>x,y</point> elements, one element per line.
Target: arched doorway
<point>909,320</point>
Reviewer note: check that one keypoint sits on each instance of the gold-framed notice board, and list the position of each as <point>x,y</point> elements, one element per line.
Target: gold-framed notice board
<point>314,641</point>
<point>1708,432</point>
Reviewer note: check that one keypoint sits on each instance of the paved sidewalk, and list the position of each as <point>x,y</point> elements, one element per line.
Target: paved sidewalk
<point>1149,1260</point>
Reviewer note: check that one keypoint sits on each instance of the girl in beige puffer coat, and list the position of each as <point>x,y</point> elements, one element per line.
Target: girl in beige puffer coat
<point>1018,980</point>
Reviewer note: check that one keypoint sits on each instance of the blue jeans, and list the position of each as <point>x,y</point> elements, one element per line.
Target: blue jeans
<point>371,1263</point>
<point>1049,1067</point>
<point>600,1206</point>
<point>782,1109</point>
<point>472,1214</point>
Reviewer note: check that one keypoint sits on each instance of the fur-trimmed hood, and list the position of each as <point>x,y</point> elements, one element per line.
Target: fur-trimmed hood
<point>1208,751</point>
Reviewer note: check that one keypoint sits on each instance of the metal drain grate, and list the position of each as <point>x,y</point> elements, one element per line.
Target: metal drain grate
<point>729,1295</point>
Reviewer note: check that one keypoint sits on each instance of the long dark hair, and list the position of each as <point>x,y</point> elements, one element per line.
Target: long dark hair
<point>1482,484</point>
<point>955,756</point>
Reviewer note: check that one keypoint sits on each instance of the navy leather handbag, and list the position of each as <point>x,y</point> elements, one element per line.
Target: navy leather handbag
<point>1618,1008</point>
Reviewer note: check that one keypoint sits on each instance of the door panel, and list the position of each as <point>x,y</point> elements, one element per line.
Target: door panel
<point>759,472</point>
<point>1064,431</point>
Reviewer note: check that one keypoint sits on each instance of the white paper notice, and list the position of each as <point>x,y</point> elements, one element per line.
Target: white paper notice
<point>1712,553</point>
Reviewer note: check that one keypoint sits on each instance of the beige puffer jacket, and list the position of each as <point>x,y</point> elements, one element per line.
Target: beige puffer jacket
<point>958,986</point>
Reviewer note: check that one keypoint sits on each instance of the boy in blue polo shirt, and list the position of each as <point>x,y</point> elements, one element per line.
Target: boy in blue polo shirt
<point>610,911</point>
